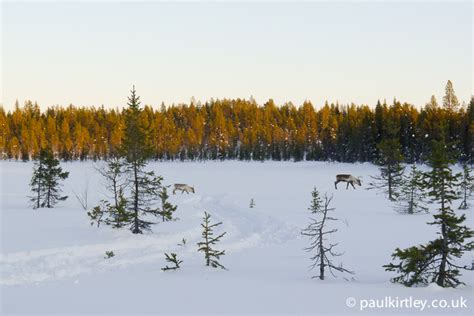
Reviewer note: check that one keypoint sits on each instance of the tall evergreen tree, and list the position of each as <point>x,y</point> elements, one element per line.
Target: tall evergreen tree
<point>211,255</point>
<point>322,251</point>
<point>450,100</point>
<point>145,186</point>
<point>46,181</point>
<point>434,262</point>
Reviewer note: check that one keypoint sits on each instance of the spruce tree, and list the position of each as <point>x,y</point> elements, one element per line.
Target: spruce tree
<point>412,198</point>
<point>45,182</point>
<point>167,209</point>
<point>321,250</point>
<point>145,186</point>
<point>211,255</point>
<point>434,262</point>
<point>467,187</point>
<point>450,100</point>
<point>173,260</point>
<point>391,169</point>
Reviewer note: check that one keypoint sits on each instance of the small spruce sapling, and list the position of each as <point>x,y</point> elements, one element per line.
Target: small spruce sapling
<point>167,209</point>
<point>211,255</point>
<point>321,250</point>
<point>252,203</point>
<point>172,259</point>
<point>183,242</point>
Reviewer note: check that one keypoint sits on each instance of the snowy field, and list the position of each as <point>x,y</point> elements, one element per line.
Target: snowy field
<point>52,261</point>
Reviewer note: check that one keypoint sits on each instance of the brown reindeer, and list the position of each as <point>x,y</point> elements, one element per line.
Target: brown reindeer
<point>349,179</point>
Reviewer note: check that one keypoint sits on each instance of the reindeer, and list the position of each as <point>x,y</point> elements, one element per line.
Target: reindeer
<point>183,188</point>
<point>350,179</point>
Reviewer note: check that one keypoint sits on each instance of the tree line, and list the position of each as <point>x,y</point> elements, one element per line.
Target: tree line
<point>242,129</point>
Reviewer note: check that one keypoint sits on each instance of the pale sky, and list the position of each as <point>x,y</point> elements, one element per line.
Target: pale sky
<point>91,53</point>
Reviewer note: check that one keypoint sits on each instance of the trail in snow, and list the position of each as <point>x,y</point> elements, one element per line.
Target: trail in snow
<point>245,229</point>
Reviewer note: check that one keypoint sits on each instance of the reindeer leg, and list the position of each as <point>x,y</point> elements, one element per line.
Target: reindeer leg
<point>335,184</point>
<point>353,185</point>
<point>347,186</point>
<point>174,191</point>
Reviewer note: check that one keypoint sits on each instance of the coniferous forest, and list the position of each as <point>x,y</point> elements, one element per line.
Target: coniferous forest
<point>242,129</point>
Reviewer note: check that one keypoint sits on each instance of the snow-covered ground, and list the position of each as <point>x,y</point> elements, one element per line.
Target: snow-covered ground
<point>52,261</point>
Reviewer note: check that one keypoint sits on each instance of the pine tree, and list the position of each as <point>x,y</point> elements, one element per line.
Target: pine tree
<point>434,262</point>
<point>391,169</point>
<point>412,199</point>
<point>211,255</point>
<point>145,186</point>
<point>467,186</point>
<point>45,182</point>
<point>173,260</point>
<point>322,252</point>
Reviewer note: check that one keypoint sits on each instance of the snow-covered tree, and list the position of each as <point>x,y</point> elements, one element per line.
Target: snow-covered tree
<point>321,250</point>
<point>46,181</point>
<point>467,187</point>
<point>211,255</point>
<point>435,261</point>
<point>412,198</point>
